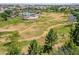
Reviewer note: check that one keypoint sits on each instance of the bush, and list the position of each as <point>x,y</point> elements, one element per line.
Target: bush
<point>14,48</point>
<point>33,48</point>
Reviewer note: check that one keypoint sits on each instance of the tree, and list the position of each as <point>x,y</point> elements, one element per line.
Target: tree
<point>75,31</point>
<point>50,39</point>
<point>14,48</point>
<point>72,47</point>
<point>53,8</point>
<point>33,48</point>
<point>75,34</point>
<point>62,9</point>
<point>69,48</point>
<point>6,14</point>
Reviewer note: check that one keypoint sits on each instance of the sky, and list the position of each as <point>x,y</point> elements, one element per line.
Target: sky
<point>39,1</point>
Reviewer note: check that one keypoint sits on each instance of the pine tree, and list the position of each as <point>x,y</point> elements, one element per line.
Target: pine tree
<point>33,48</point>
<point>50,39</point>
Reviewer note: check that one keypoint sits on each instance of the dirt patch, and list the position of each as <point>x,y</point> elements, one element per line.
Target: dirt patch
<point>41,40</point>
<point>24,50</point>
<point>57,16</point>
<point>18,27</point>
<point>26,36</point>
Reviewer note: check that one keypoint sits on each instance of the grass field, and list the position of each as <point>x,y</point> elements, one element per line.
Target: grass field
<point>34,29</point>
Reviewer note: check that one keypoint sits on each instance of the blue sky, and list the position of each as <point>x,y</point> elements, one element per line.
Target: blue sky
<point>39,1</point>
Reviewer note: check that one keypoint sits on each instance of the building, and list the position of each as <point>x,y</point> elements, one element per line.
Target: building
<point>28,15</point>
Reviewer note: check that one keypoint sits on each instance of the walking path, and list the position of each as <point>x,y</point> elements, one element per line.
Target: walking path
<point>45,32</point>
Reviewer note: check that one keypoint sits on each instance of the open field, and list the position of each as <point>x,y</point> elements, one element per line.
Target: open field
<point>35,29</point>
<point>25,43</point>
